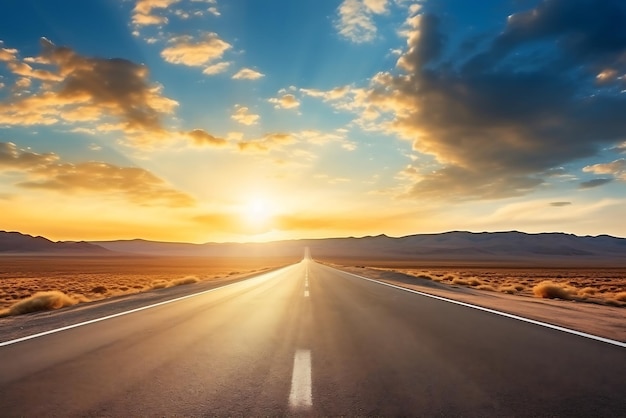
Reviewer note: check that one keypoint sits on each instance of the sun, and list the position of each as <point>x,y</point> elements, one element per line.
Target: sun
<point>258,211</point>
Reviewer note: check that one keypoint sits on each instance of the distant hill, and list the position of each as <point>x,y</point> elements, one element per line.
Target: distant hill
<point>17,243</point>
<point>449,246</point>
<point>466,247</point>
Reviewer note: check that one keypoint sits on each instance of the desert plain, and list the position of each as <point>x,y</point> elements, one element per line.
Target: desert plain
<point>35,283</point>
<point>587,299</point>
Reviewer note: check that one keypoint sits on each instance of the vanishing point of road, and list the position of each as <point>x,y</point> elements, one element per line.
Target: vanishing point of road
<point>309,340</point>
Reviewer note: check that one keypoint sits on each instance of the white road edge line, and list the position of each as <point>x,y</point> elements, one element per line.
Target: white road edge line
<point>165,302</point>
<point>300,395</point>
<point>493,311</point>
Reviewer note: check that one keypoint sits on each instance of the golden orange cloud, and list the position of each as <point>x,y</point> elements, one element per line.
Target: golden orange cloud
<point>188,51</point>
<point>267,142</point>
<point>203,138</point>
<point>47,172</point>
<point>143,12</point>
<point>243,116</point>
<point>615,168</point>
<point>286,101</point>
<point>102,95</point>
<point>89,89</point>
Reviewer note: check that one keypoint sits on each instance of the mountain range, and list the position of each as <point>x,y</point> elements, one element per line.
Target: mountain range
<point>448,246</point>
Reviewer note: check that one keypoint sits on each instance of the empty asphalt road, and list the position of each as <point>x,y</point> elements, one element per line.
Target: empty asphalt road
<point>311,340</point>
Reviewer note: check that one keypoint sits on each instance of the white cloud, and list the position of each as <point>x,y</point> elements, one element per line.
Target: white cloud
<point>218,68</point>
<point>248,74</point>
<point>355,20</point>
<point>376,6</point>
<point>327,95</point>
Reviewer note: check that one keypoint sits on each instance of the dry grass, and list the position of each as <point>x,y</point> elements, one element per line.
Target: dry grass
<point>184,281</point>
<point>40,301</point>
<point>472,281</point>
<point>510,289</point>
<point>85,279</point>
<point>162,284</point>
<point>159,284</point>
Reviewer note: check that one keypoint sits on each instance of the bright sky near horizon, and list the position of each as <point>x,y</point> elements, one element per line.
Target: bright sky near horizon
<point>244,120</point>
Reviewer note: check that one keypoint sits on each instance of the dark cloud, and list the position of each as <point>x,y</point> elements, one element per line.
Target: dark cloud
<point>501,120</point>
<point>593,183</point>
<point>585,29</point>
<point>426,45</point>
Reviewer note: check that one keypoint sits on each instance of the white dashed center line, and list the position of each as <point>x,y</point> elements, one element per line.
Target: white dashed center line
<point>306,284</point>
<point>300,395</point>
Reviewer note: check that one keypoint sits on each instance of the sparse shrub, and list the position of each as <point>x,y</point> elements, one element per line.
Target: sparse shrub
<point>550,290</point>
<point>487,287</point>
<point>40,301</point>
<point>99,289</point>
<point>184,280</point>
<point>621,297</point>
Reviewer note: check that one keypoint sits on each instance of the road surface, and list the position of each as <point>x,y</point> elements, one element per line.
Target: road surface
<point>313,341</point>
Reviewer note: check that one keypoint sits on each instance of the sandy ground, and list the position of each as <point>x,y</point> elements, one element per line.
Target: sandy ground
<point>494,288</point>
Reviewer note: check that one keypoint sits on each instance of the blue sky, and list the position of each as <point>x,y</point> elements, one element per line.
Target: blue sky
<point>215,120</point>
